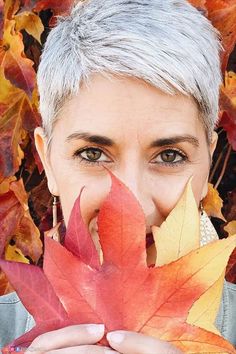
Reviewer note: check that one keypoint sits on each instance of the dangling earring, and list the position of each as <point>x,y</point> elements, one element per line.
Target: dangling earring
<point>207,231</point>
<point>54,210</point>
<point>55,235</point>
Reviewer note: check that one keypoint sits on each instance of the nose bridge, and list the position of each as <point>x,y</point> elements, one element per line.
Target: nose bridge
<point>135,178</point>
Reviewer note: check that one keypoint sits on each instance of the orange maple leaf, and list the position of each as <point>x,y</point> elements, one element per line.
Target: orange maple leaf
<point>16,117</point>
<point>16,220</point>
<point>31,23</point>
<point>17,68</point>
<point>222,14</point>
<point>122,291</point>
<point>212,203</point>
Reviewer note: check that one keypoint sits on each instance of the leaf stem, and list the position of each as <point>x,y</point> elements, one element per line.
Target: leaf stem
<point>216,166</point>
<point>224,167</point>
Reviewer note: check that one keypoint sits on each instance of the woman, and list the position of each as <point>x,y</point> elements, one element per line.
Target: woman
<point>131,85</point>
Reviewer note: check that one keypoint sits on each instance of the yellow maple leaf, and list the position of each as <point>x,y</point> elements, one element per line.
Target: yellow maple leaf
<point>179,233</point>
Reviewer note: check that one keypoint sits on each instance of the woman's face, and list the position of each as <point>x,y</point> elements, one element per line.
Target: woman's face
<point>151,141</point>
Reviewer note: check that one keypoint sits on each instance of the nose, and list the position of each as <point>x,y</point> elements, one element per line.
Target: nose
<point>141,187</point>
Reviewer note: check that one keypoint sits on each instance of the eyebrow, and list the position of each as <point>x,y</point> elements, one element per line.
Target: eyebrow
<point>105,141</point>
<point>91,138</point>
<point>175,140</point>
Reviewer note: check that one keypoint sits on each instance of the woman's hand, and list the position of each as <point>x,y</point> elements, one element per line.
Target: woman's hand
<point>78,339</point>
<point>82,339</point>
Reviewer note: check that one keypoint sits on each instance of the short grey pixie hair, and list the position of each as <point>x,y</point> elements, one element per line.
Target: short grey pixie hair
<point>167,43</point>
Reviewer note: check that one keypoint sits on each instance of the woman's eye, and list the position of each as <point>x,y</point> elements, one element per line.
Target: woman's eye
<point>170,157</point>
<point>92,155</point>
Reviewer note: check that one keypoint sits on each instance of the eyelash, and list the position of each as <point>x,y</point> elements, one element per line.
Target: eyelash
<point>77,154</point>
<point>173,164</point>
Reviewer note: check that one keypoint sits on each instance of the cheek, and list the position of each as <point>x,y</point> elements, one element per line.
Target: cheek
<point>168,189</point>
<point>93,194</point>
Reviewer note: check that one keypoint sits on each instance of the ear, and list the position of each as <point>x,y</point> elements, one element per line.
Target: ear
<point>213,143</point>
<point>41,147</point>
<point>212,147</point>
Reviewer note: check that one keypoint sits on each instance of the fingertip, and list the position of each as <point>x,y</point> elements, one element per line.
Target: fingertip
<point>116,337</point>
<point>132,342</point>
<point>96,329</point>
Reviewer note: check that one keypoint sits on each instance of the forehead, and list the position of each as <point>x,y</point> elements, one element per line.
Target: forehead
<point>122,106</point>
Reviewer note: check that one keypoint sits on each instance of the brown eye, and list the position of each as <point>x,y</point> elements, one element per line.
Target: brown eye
<point>169,156</point>
<point>92,154</point>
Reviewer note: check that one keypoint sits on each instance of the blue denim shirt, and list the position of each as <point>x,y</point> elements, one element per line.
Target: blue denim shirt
<point>15,320</point>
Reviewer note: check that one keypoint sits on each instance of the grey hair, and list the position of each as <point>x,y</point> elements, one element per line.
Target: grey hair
<point>167,43</point>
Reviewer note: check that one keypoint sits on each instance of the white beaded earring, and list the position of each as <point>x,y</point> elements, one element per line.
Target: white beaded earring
<point>207,231</point>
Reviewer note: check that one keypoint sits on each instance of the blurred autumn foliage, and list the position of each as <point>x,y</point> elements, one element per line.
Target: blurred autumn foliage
<point>25,202</point>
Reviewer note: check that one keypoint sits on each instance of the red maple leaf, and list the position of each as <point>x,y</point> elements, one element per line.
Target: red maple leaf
<point>231,268</point>
<point>122,292</point>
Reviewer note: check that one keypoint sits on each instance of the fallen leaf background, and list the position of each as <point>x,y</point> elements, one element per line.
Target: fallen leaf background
<point>24,26</point>
<point>75,287</point>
